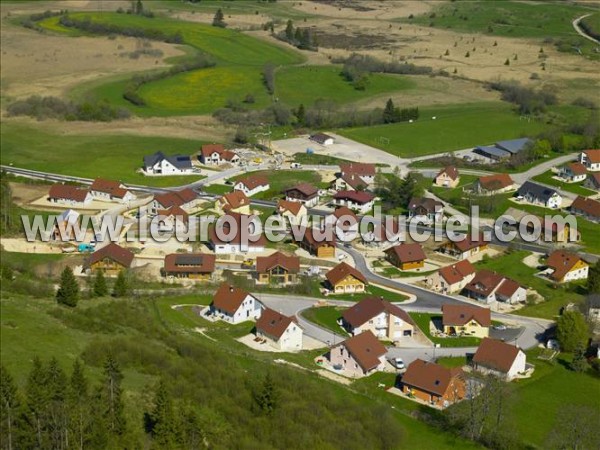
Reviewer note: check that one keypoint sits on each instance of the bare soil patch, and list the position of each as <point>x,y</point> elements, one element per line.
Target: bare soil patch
<point>23,194</point>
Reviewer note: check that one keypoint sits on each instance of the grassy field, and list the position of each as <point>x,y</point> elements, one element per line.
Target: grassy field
<point>423,319</point>
<point>538,401</point>
<point>376,291</point>
<point>326,317</point>
<point>305,84</point>
<point>455,127</point>
<point>575,188</point>
<point>507,18</point>
<point>114,157</point>
<point>512,266</point>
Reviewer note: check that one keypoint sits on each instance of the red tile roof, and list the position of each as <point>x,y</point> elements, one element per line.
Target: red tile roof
<point>508,288</point>
<point>109,187</point>
<point>459,315</point>
<point>496,355</point>
<point>253,239</point>
<point>429,376</point>
<point>428,204</point>
<point>496,182</point>
<point>319,240</point>
<point>457,272</point>
<point>353,180</point>
<point>485,282</point>
<point>290,263</point>
<point>67,192</point>
<point>339,272</point>
<point>306,189</point>
<point>360,169</point>
<point>176,198</point>
<point>229,298</point>
<point>234,200</point>
<point>593,156</point>
<point>370,307</point>
<point>273,323</point>
<point>345,211</point>
<point>174,211</point>
<point>365,349</point>
<point>595,178</point>
<point>469,243</point>
<point>209,149</point>
<point>361,197</point>
<point>577,168</point>
<point>253,181</point>
<point>587,206</point>
<point>408,252</point>
<point>293,207</point>
<point>114,252</point>
<point>190,263</point>
<point>562,262</point>
<point>451,171</point>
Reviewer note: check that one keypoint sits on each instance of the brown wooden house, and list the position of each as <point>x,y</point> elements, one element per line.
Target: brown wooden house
<point>406,256</point>
<point>318,246</point>
<point>195,266</point>
<point>110,259</point>
<point>433,383</point>
<point>277,268</point>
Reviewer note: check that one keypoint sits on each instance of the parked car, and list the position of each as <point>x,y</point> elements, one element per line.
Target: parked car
<point>248,264</point>
<point>295,165</point>
<point>398,363</point>
<point>500,327</point>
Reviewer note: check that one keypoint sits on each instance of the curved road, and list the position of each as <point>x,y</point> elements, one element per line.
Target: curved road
<point>580,31</point>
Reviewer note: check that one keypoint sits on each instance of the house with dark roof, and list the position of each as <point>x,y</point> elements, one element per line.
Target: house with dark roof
<point>500,359</point>
<point>463,319</point>
<point>587,208</point>
<point>186,199</point>
<point>359,356</point>
<point>487,286</point>
<point>493,184</point>
<point>566,266</point>
<point>592,181</point>
<point>433,383</point>
<point>319,243</point>
<point>279,331</point>
<point>304,193</point>
<point>322,139</point>
<point>425,209</point>
<point>385,320</point>
<point>540,195</point>
<point>235,234</point>
<point>295,212</point>
<point>277,268</point>
<point>406,256</point>
<point>235,201</point>
<point>66,194</point>
<point>161,164</point>
<point>345,279</point>
<point>110,190</point>
<point>110,260</point>
<point>235,305</point>
<point>451,279</point>
<point>590,159</point>
<point>573,172</point>
<point>359,201</point>
<point>465,247</point>
<point>447,177</point>
<point>195,266</point>
<point>252,185</point>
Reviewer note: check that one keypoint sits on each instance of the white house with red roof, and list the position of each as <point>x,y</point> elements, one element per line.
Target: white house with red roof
<point>216,154</point>
<point>573,172</point>
<point>452,278</point>
<point>252,185</point>
<point>235,305</point>
<point>110,190</point>
<point>590,159</point>
<point>359,201</point>
<point>279,331</point>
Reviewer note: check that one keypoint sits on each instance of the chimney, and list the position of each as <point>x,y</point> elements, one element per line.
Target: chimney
<point>230,288</point>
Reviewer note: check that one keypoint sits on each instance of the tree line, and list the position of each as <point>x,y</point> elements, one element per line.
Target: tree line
<point>300,37</point>
<point>55,108</point>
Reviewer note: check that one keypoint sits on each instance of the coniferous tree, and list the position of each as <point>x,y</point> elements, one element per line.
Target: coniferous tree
<point>58,419</point>
<point>79,406</point>
<point>389,111</point>
<point>267,397</point>
<point>289,31</point>
<point>139,8</point>
<point>9,407</point>
<point>100,287</point>
<point>593,281</point>
<point>164,427</point>
<point>36,393</point>
<point>68,291</point>
<point>579,363</point>
<point>111,398</point>
<point>298,35</point>
<point>219,19</point>
<point>121,287</point>
<point>301,114</point>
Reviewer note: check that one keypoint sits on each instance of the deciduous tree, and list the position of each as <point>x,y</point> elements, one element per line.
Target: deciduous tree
<point>571,330</point>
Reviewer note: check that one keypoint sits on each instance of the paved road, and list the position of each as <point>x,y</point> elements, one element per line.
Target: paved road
<point>580,30</point>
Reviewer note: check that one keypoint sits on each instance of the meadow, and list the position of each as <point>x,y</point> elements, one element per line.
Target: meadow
<point>455,127</point>
<point>111,156</point>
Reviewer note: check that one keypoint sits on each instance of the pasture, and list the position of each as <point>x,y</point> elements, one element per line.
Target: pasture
<point>455,127</point>
<point>110,156</point>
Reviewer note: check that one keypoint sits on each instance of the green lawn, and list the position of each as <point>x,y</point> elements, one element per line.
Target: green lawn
<point>422,320</point>
<point>390,271</point>
<point>511,265</point>
<point>110,156</point>
<point>372,290</point>
<point>452,361</point>
<point>455,127</point>
<point>575,188</point>
<point>218,189</point>
<point>305,84</point>
<point>326,317</point>
<point>538,401</point>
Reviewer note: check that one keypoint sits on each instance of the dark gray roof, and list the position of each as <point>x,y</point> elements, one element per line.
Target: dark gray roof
<point>188,260</point>
<point>492,152</point>
<point>529,189</point>
<point>179,161</point>
<point>513,145</point>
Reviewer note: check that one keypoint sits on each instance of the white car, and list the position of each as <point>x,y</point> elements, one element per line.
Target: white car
<point>398,363</point>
